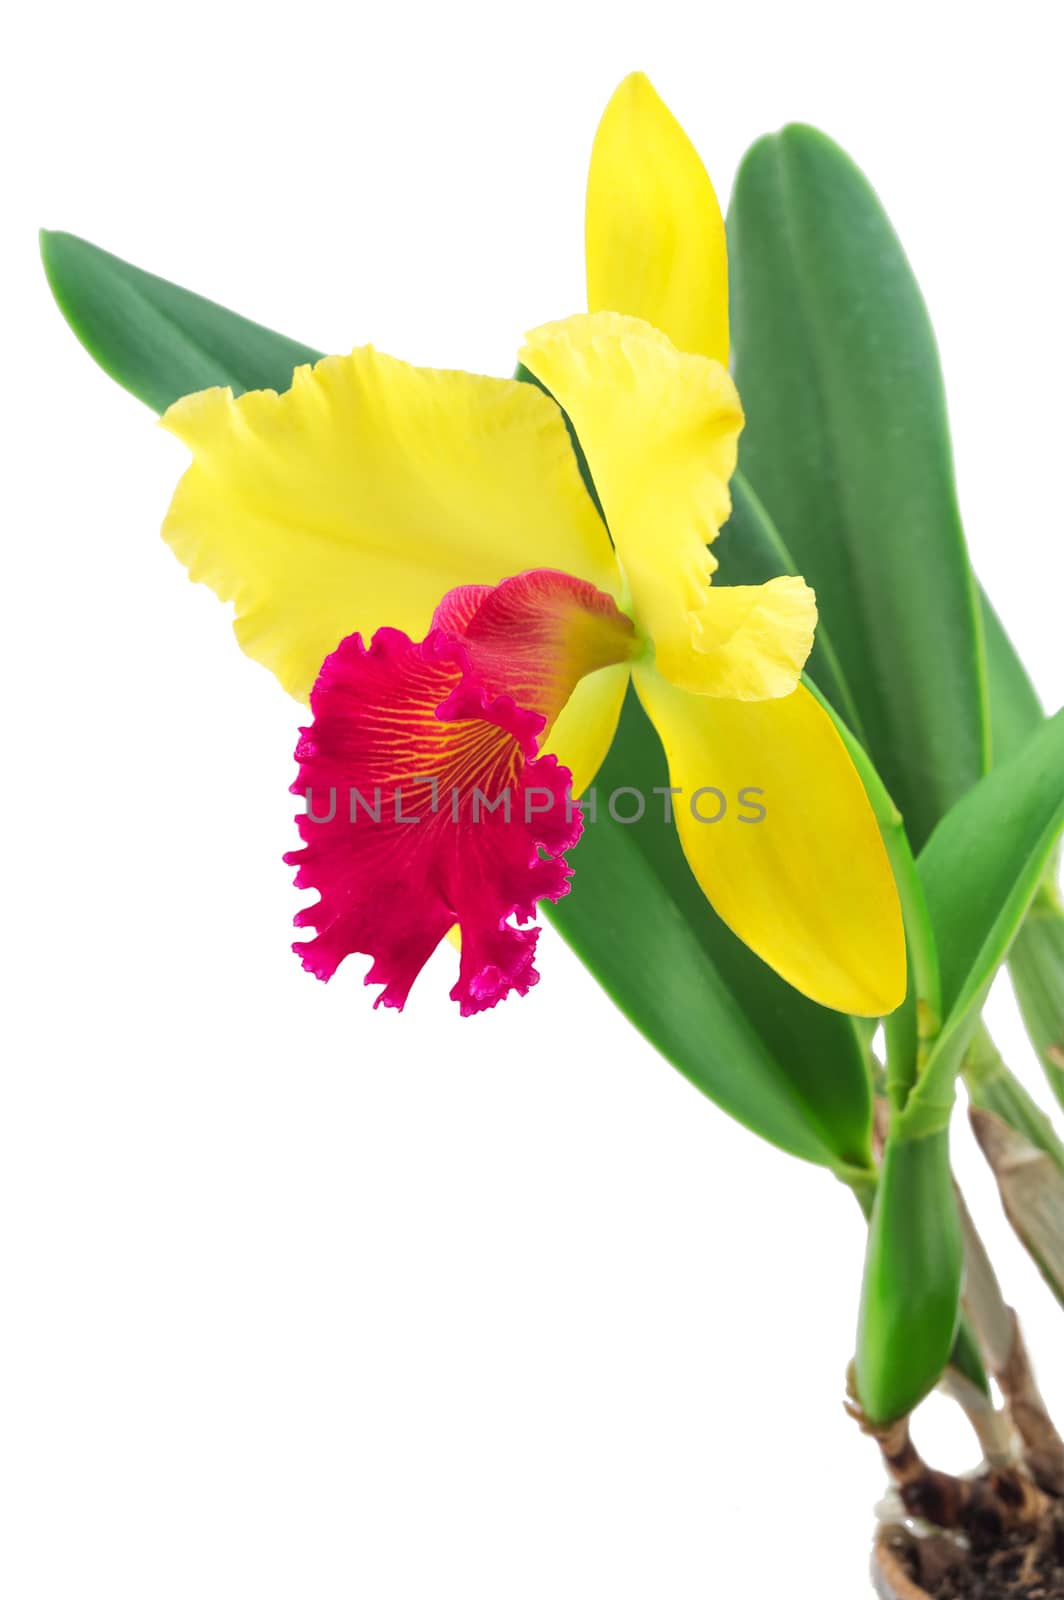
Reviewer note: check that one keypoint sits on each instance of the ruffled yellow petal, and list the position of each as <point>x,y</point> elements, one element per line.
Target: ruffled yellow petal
<point>654,233</point>
<point>364,493</point>
<point>808,886</point>
<point>751,641</point>
<point>660,431</point>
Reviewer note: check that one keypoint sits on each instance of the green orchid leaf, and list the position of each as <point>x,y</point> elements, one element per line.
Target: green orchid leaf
<point>1036,960</point>
<point>846,441</point>
<point>910,1297</point>
<point>1015,709</point>
<point>981,869</point>
<point>791,1071</point>
<point>846,444</point>
<point>155,339</point>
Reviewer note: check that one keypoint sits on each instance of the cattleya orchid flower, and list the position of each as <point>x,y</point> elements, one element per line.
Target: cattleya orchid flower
<point>417,552</point>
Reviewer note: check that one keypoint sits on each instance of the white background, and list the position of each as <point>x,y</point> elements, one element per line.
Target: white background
<point>304,1300</point>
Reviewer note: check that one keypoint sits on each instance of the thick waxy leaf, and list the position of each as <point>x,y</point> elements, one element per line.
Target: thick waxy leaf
<point>793,1072</point>
<point>981,869</point>
<point>1036,960</point>
<point>910,1298</point>
<point>846,441</point>
<point>155,339</point>
<point>1015,709</point>
<point>846,444</point>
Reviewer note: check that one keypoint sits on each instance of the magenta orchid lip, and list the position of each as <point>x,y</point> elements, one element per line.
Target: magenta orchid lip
<point>443,711</point>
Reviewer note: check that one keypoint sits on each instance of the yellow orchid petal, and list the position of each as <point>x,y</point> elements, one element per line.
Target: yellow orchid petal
<point>750,642</point>
<point>808,887</point>
<point>365,492</point>
<point>582,735</point>
<point>654,233</point>
<point>660,431</point>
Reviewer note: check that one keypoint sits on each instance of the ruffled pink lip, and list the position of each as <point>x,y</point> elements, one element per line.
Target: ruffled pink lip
<point>391,889</point>
<point>467,823</point>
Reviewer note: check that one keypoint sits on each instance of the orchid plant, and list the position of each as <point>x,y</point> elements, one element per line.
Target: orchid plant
<point>672,559</point>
